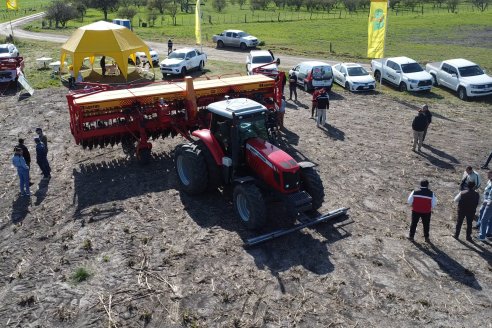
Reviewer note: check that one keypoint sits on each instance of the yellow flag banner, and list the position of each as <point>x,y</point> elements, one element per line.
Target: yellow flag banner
<point>198,27</point>
<point>12,4</point>
<point>377,28</point>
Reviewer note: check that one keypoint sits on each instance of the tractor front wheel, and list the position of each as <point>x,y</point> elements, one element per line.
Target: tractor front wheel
<point>191,168</point>
<point>313,185</point>
<point>250,205</point>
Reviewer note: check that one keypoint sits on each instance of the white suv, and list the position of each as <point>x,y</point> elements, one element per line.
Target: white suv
<point>8,50</point>
<point>257,58</point>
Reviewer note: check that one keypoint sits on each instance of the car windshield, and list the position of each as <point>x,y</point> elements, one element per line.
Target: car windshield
<point>4,50</point>
<point>356,71</point>
<point>242,34</point>
<point>322,72</point>
<point>177,55</point>
<point>262,59</point>
<point>254,127</point>
<point>411,68</point>
<point>470,71</point>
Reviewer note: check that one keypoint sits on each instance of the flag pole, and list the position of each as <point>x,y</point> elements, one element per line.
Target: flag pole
<point>384,43</point>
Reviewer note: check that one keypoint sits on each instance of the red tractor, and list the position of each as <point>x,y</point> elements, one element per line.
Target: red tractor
<point>234,152</point>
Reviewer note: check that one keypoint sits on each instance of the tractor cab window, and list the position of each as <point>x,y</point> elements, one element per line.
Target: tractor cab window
<point>222,132</point>
<point>254,127</point>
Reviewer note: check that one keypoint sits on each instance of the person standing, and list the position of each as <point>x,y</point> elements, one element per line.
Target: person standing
<point>169,46</point>
<point>293,85</point>
<point>467,205</point>
<point>470,175</point>
<point>322,104</point>
<point>419,125</point>
<point>315,102</point>
<point>42,158</point>
<point>281,113</point>
<point>42,137</point>
<point>428,115</point>
<point>485,219</point>
<point>422,202</point>
<point>22,170</point>
<point>25,152</point>
<point>486,165</point>
<point>102,62</point>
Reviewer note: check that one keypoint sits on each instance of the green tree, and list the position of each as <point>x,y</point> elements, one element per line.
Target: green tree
<point>157,4</point>
<point>172,10</point>
<point>350,5</point>
<point>241,3</point>
<point>61,12</point>
<point>452,5</point>
<point>218,5</point>
<point>127,12</point>
<point>81,9</point>
<point>105,6</point>
<point>481,4</point>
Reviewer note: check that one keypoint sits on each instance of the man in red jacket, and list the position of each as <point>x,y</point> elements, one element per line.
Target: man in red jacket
<point>422,202</point>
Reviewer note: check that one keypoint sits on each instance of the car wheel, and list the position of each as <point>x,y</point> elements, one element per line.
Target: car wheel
<point>306,86</point>
<point>462,93</point>
<point>434,81</point>
<point>377,76</point>
<point>183,72</point>
<point>137,61</point>
<point>243,46</point>
<point>347,86</point>
<point>403,87</point>
<point>220,44</point>
<point>201,66</point>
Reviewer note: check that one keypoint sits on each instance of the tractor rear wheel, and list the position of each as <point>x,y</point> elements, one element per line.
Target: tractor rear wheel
<point>313,185</point>
<point>250,205</point>
<point>191,168</point>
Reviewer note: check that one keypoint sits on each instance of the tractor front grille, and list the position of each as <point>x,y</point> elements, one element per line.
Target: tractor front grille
<point>291,180</point>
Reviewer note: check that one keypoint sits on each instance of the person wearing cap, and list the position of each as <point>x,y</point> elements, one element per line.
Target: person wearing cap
<point>42,158</point>
<point>422,202</point>
<point>42,137</point>
<point>322,104</point>
<point>467,205</point>
<point>470,175</point>
<point>419,125</point>
<point>22,170</point>
<point>428,115</point>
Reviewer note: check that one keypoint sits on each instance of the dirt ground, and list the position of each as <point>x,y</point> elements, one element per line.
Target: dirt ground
<point>159,258</point>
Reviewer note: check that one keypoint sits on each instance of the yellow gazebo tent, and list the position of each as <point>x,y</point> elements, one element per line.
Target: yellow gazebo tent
<point>103,39</point>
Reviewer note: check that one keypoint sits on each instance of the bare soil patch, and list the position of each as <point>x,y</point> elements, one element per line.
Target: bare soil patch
<point>159,258</point>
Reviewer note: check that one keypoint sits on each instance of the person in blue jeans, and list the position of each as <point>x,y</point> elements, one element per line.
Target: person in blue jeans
<point>42,158</point>
<point>485,220</point>
<point>22,170</point>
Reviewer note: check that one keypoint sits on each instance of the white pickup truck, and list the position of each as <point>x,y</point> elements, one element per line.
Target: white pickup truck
<point>403,72</point>
<point>180,61</point>
<point>235,38</point>
<point>462,76</point>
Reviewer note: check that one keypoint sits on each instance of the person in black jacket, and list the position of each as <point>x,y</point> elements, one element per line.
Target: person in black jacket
<point>293,85</point>
<point>419,125</point>
<point>25,152</point>
<point>467,205</point>
<point>428,115</point>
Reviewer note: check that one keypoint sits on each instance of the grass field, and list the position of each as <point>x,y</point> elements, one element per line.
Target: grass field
<point>26,7</point>
<point>436,35</point>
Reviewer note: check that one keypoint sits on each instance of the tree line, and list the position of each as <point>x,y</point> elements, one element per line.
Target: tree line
<point>62,11</point>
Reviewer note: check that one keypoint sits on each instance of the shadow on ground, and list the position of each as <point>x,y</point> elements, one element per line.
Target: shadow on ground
<point>119,179</point>
<point>452,268</point>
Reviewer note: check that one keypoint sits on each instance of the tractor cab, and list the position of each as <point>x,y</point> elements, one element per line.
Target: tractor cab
<point>234,122</point>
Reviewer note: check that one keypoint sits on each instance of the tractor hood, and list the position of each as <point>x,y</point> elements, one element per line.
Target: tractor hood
<point>272,156</point>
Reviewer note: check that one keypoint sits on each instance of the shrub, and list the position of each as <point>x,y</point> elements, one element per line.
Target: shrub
<point>81,274</point>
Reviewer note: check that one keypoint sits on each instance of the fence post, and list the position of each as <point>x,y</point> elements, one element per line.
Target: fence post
<point>331,49</point>
<point>245,20</point>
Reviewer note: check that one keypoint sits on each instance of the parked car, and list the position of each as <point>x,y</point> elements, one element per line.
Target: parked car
<point>461,75</point>
<point>353,77</point>
<point>235,38</point>
<point>313,74</point>
<point>183,60</point>
<point>256,60</point>
<point>141,57</point>
<point>8,50</point>
<point>403,72</point>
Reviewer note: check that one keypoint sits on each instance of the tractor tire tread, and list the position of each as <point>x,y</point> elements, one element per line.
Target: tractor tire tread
<point>312,183</point>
